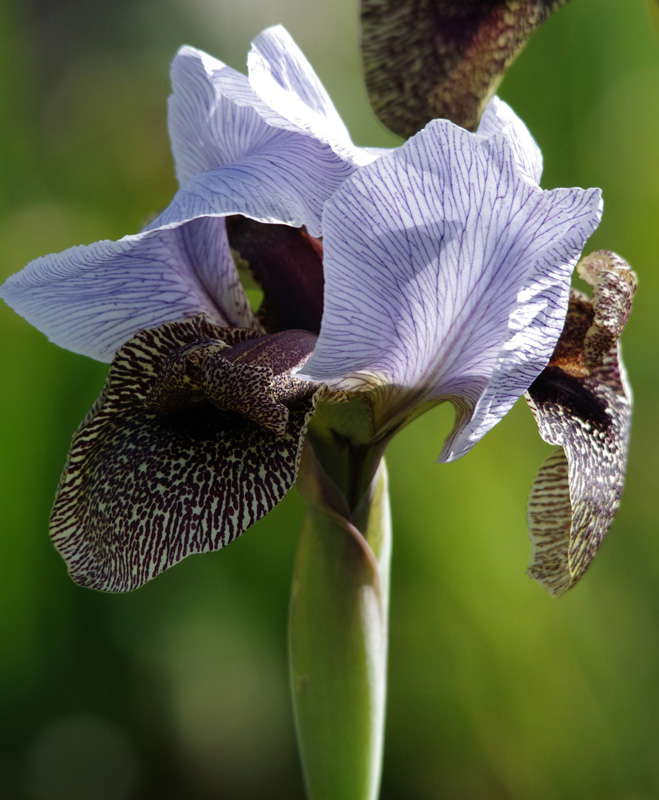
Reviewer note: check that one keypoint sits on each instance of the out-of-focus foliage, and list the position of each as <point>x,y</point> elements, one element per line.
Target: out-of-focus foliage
<point>180,690</point>
<point>653,8</point>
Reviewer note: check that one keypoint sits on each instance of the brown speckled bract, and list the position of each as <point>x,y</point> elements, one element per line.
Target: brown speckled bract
<point>425,59</point>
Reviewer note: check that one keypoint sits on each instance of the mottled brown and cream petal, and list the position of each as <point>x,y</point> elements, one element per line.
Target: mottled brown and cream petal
<point>157,472</point>
<point>614,285</point>
<point>425,59</point>
<point>582,403</point>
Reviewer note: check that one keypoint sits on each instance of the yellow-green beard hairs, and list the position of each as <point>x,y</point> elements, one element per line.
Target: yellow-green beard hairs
<point>157,471</point>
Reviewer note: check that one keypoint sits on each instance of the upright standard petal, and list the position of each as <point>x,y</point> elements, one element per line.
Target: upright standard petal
<point>278,129</point>
<point>234,155</point>
<point>287,181</point>
<point>93,298</point>
<point>206,128</point>
<point>499,117</point>
<point>286,82</point>
<point>447,276</point>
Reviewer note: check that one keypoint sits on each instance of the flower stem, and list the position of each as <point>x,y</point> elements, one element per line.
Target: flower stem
<point>338,626</point>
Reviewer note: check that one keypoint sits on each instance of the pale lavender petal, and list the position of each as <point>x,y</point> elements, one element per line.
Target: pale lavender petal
<point>280,171</point>
<point>447,275</point>
<point>93,298</point>
<point>206,129</point>
<point>214,116</point>
<point>287,181</point>
<point>281,75</point>
<point>499,117</point>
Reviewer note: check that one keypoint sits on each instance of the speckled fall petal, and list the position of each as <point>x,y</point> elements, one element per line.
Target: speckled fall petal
<point>165,466</point>
<point>441,58</point>
<point>582,402</point>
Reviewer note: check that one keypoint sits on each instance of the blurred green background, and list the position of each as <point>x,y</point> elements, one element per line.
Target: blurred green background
<point>179,691</point>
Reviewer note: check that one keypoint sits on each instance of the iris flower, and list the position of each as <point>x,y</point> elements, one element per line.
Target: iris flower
<point>436,271</point>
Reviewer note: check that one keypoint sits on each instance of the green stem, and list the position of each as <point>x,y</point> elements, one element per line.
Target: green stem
<point>338,624</point>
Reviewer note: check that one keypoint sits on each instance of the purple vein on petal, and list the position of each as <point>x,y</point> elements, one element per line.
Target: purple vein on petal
<point>447,272</point>
<point>234,154</point>
<point>93,298</point>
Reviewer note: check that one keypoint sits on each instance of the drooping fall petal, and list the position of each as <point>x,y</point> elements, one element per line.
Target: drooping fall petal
<point>441,58</point>
<point>582,402</point>
<point>194,438</point>
<point>447,277</point>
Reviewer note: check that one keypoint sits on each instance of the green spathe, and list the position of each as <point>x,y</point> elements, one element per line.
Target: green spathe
<point>338,643</point>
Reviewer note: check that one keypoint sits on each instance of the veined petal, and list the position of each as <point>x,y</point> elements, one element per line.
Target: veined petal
<point>283,78</point>
<point>93,298</point>
<point>447,274</point>
<point>499,117</point>
<point>282,135</point>
<point>287,181</point>
<point>234,155</point>
<point>207,129</point>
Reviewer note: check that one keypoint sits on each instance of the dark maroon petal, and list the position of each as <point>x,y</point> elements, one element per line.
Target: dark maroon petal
<point>287,264</point>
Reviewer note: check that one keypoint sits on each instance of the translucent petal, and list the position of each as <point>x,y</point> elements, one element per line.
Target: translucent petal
<point>207,129</point>
<point>447,275</point>
<point>499,117</point>
<point>283,78</point>
<point>234,155</point>
<point>287,180</point>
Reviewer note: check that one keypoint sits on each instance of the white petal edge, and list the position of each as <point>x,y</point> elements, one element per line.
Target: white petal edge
<point>499,117</point>
<point>447,275</point>
<point>284,79</point>
<point>197,115</point>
